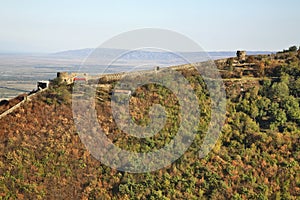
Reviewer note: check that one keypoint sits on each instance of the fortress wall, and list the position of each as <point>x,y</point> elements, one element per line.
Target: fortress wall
<point>12,109</point>
<point>118,76</point>
<point>26,99</point>
<point>68,77</point>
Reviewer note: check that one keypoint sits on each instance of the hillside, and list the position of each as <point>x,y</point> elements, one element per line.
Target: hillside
<point>256,157</point>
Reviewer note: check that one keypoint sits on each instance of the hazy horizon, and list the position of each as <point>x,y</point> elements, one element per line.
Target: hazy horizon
<point>49,27</point>
<point>91,48</point>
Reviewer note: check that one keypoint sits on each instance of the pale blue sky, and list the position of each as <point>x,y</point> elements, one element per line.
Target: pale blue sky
<point>50,26</point>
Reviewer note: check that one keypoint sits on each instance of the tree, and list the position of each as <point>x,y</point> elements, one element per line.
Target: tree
<point>295,87</point>
<point>263,106</point>
<point>230,64</point>
<point>291,107</point>
<point>279,90</point>
<point>278,116</point>
<point>265,90</point>
<point>284,78</point>
<point>293,48</point>
<point>254,111</point>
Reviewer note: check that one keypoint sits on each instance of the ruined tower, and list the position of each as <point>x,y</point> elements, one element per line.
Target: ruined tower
<point>65,77</point>
<point>241,55</point>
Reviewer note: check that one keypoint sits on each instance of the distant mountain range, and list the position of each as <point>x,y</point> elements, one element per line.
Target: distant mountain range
<point>105,53</point>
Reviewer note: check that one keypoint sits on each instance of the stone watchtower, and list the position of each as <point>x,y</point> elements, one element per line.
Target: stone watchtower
<point>241,55</point>
<point>65,77</point>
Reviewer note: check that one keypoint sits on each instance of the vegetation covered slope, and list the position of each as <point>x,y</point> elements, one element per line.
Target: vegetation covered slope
<point>256,157</point>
